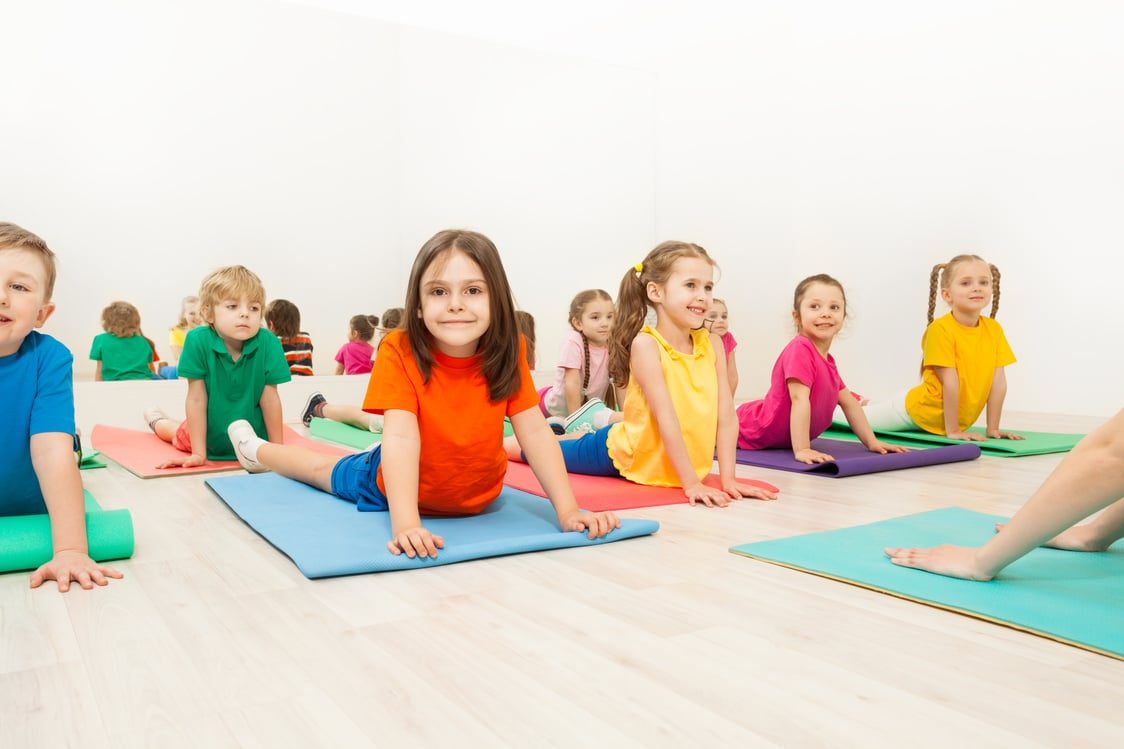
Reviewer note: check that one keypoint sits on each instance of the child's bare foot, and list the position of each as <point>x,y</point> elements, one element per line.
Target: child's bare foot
<point>951,561</point>
<point>1077,538</point>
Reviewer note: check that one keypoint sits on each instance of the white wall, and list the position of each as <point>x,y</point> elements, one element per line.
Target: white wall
<point>871,141</point>
<point>149,142</point>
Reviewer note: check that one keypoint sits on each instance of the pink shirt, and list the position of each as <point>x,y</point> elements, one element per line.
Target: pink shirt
<point>766,423</point>
<point>355,356</point>
<point>572,356</point>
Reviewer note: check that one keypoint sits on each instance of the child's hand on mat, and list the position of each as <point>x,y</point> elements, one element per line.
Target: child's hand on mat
<point>971,436</point>
<point>416,542</point>
<point>1001,435</point>
<point>882,448</point>
<point>73,565</point>
<point>746,491</point>
<point>810,456</point>
<point>953,561</point>
<point>191,461</point>
<point>598,523</point>
<point>709,496</point>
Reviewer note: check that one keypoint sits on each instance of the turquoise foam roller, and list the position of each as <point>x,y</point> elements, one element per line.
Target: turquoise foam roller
<point>25,540</point>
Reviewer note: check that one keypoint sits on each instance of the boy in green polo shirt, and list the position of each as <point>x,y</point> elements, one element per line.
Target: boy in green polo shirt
<point>232,366</point>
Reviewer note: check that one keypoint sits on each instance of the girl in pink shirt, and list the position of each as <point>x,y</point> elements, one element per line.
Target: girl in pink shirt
<point>806,387</point>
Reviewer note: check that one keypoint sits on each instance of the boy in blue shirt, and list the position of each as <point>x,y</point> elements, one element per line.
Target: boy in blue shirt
<point>232,366</point>
<point>37,463</point>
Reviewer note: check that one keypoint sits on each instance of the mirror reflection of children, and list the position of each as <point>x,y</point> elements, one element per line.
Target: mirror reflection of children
<point>718,320</point>
<point>965,355</point>
<point>443,386</point>
<point>122,352</point>
<point>1089,478</point>
<point>189,319</point>
<point>805,386</point>
<point>232,366</point>
<point>40,475</point>
<point>678,410</point>
<point>581,389</point>
<point>283,318</point>
<point>354,357</point>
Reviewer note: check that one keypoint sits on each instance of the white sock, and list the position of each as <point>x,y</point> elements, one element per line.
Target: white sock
<point>601,418</point>
<point>249,447</point>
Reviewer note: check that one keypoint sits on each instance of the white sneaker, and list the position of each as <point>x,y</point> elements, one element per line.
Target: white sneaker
<point>582,419</point>
<point>153,414</point>
<point>240,433</point>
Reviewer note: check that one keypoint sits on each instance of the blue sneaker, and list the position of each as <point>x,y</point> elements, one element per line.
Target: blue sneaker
<point>582,419</point>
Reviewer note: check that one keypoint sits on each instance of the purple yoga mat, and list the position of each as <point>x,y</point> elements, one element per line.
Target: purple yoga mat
<point>852,459</point>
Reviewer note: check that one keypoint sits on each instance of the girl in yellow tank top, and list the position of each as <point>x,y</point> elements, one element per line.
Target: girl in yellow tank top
<point>677,406</point>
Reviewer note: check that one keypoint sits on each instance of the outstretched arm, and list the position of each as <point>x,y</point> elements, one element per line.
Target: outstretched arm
<point>726,441</point>
<point>1089,478</point>
<point>540,446</point>
<point>995,400</point>
<point>270,403</point>
<point>950,395</point>
<point>800,424</point>
<point>196,408</point>
<point>52,455</point>
<point>401,455</point>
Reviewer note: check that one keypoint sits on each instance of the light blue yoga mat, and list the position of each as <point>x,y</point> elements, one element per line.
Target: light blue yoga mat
<point>1073,597</point>
<point>326,536</point>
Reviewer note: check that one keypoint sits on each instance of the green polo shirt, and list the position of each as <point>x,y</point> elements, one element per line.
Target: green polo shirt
<point>122,358</point>
<point>234,388</point>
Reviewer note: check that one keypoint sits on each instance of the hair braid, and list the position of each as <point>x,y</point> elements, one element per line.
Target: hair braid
<point>994,290</point>
<point>585,376</point>
<point>934,278</point>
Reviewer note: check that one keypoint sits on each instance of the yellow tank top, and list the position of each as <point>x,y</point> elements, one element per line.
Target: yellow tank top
<point>634,443</point>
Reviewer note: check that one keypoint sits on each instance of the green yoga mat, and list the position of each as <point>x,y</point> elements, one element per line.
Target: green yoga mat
<point>91,459</point>
<point>25,540</point>
<point>1072,597</point>
<point>1036,443</point>
<point>344,434</point>
<point>360,439</point>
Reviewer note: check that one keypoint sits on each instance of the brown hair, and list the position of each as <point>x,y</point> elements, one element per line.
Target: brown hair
<point>526,323</point>
<point>364,326</point>
<point>13,237</point>
<point>802,289</point>
<point>231,282</point>
<point>392,318</point>
<point>499,346</point>
<point>632,301</point>
<point>943,272</point>
<point>284,318</point>
<point>122,320</point>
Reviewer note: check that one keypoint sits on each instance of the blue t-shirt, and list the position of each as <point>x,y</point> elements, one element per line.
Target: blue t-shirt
<point>39,397</point>
<point>234,388</point>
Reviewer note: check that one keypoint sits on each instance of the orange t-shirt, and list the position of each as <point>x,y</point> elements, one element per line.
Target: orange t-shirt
<point>462,461</point>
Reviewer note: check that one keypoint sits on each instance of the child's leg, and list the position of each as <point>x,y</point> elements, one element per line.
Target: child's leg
<point>1096,535</point>
<point>885,415</point>
<point>351,415</point>
<point>159,422</point>
<point>290,461</point>
<point>589,454</point>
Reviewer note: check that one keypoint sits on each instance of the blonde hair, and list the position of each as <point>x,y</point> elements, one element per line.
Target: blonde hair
<point>192,299</point>
<point>632,301</point>
<point>121,319</point>
<point>13,237</point>
<point>231,282</point>
<point>943,273</point>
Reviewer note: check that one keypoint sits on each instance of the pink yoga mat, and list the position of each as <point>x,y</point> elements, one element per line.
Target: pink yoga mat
<point>140,452</point>
<point>599,493</point>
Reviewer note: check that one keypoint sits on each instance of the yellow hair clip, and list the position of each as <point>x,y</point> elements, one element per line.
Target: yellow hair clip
<point>639,267</point>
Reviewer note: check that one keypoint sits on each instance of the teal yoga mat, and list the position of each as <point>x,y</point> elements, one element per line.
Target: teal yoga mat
<point>1036,443</point>
<point>344,434</point>
<point>1072,597</point>
<point>25,540</point>
<point>326,536</point>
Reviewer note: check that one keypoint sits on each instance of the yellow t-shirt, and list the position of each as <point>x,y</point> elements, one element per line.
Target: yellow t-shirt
<point>176,337</point>
<point>692,380</point>
<point>975,353</point>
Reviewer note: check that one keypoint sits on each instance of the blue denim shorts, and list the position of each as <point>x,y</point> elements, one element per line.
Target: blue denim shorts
<point>353,479</point>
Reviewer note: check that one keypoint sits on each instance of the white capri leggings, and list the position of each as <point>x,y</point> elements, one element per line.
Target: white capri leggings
<point>887,415</point>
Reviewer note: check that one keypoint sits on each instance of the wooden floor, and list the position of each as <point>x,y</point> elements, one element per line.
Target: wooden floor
<point>215,639</point>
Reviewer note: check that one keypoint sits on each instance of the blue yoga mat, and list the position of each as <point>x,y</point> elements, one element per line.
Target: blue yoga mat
<point>852,459</point>
<point>326,536</point>
<point>1072,597</point>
